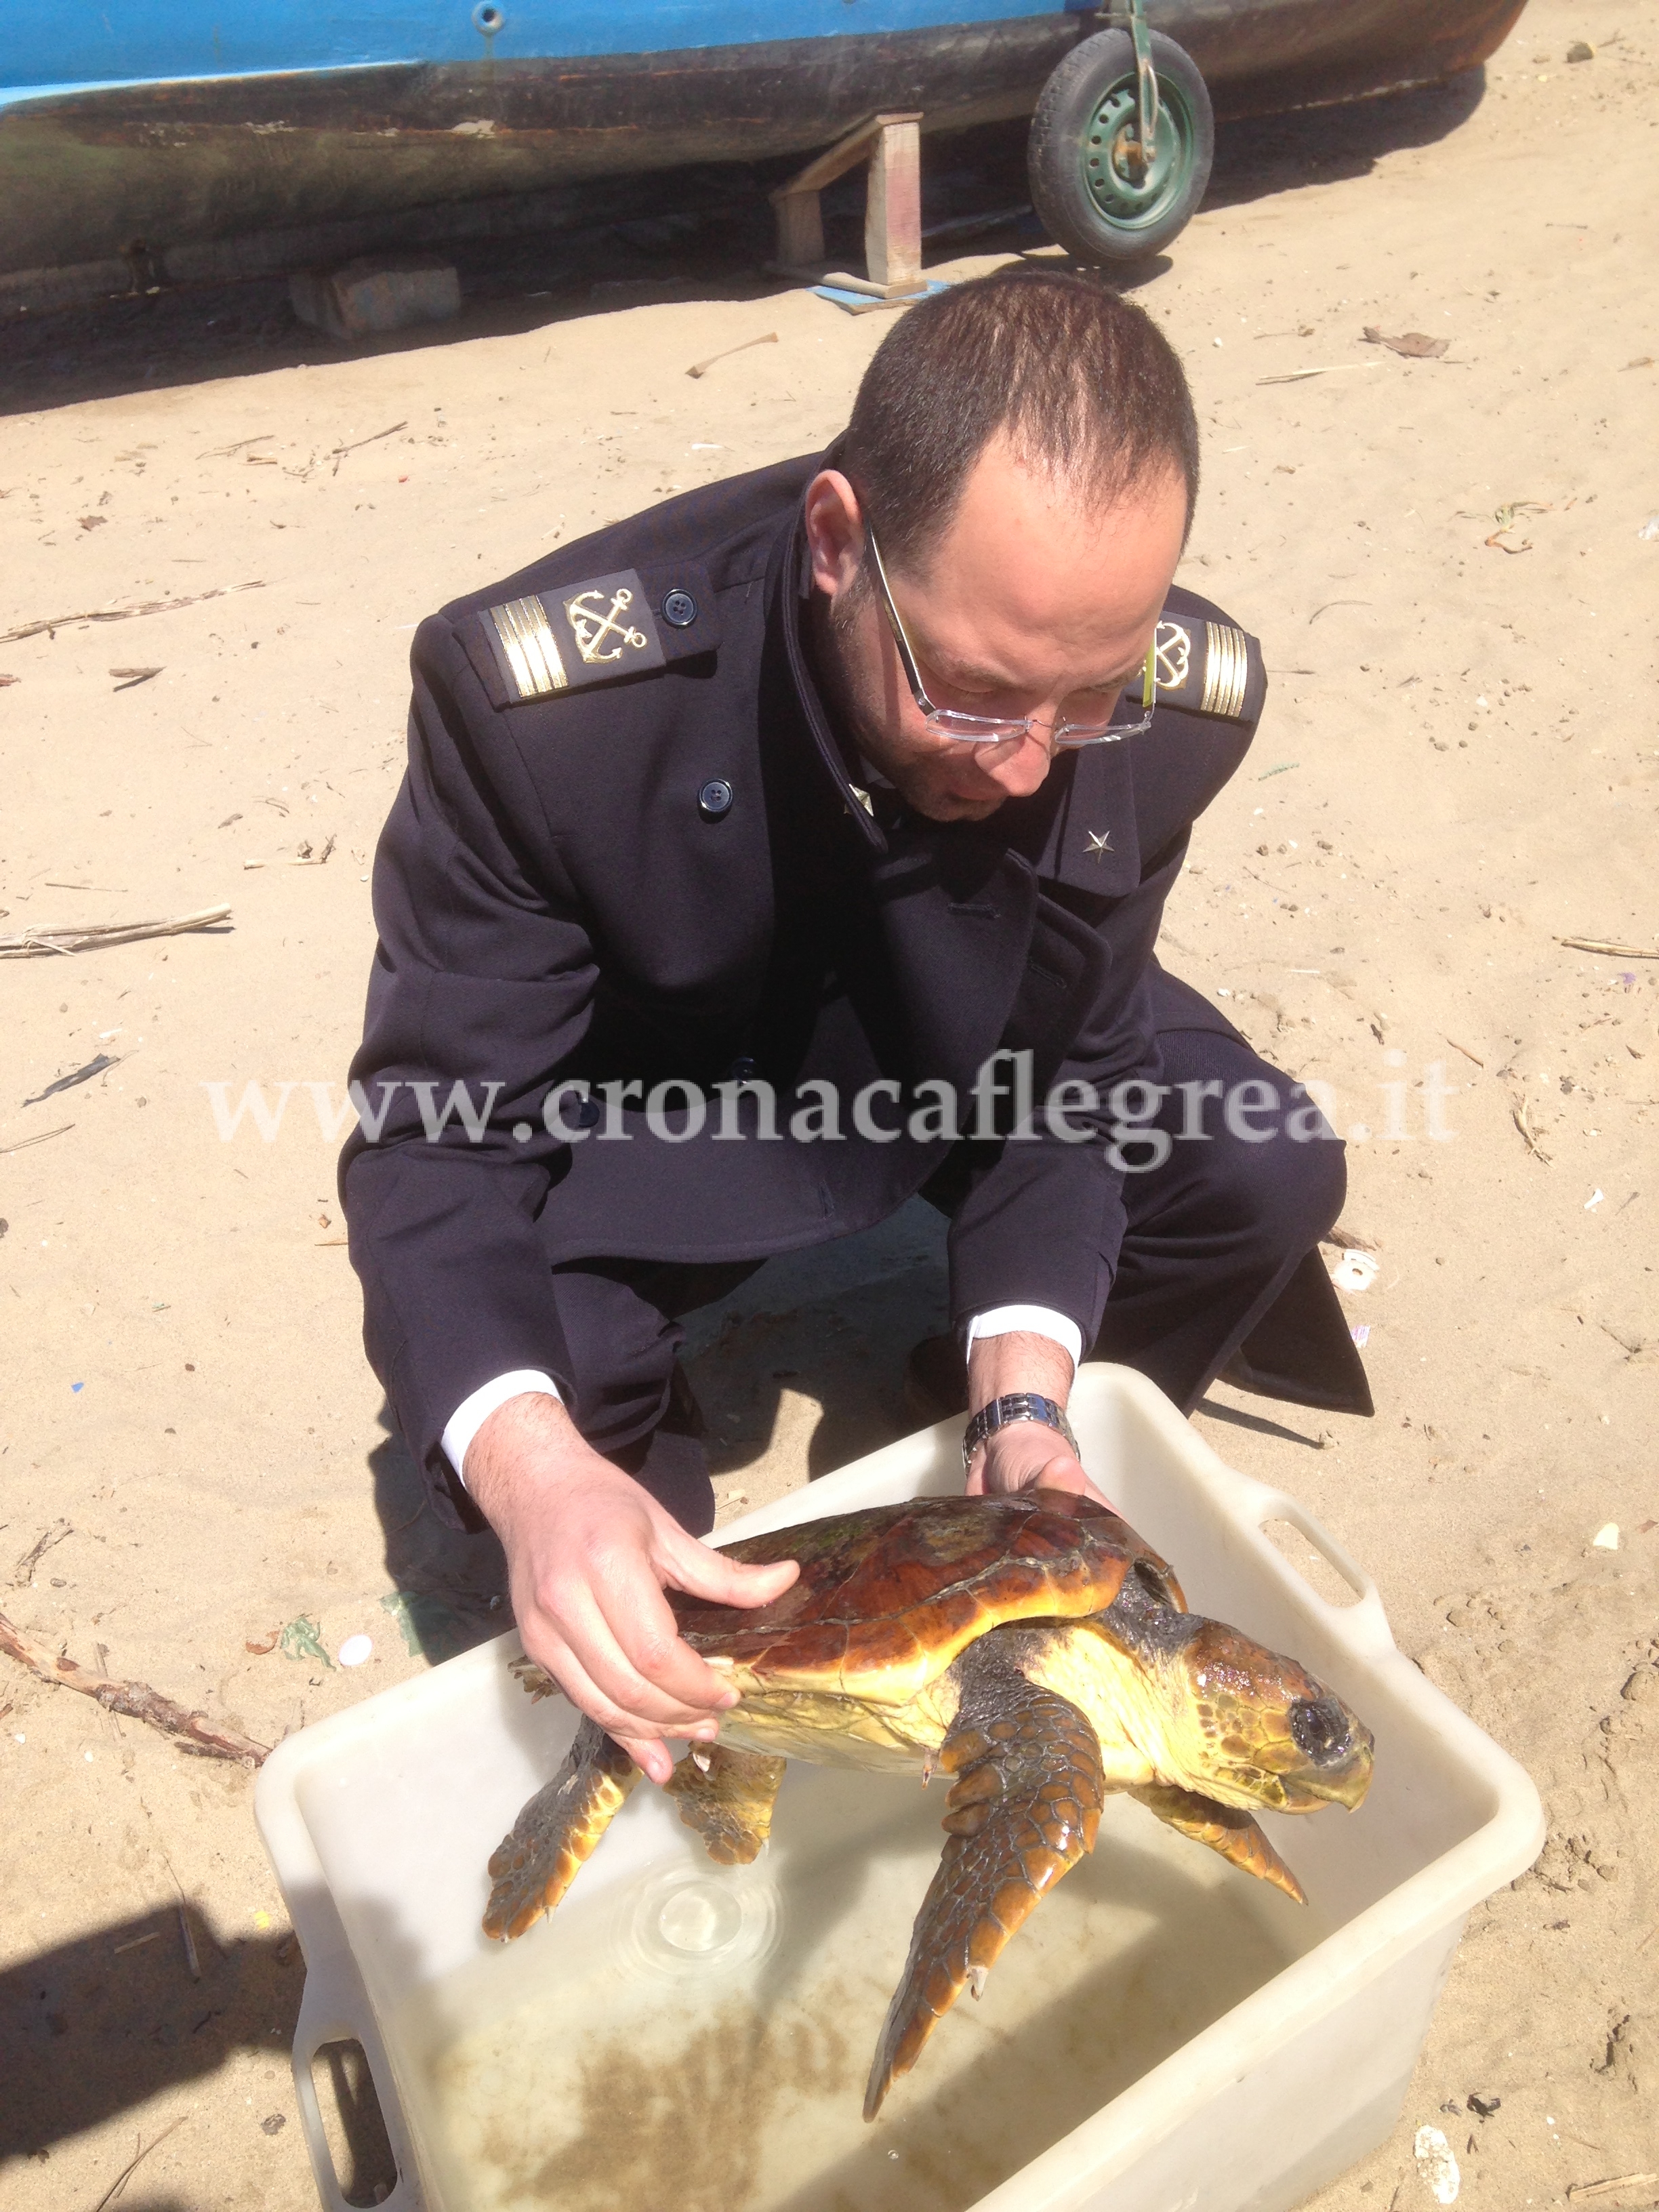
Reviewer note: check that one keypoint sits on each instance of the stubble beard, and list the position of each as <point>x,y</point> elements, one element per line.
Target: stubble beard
<point>831,631</point>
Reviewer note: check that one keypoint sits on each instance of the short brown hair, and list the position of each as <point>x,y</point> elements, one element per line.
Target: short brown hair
<point>1083,385</point>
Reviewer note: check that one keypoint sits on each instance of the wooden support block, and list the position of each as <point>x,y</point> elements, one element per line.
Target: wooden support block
<point>893,216</point>
<point>842,281</point>
<point>890,144</point>
<point>846,154</point>
<point>800,229</point>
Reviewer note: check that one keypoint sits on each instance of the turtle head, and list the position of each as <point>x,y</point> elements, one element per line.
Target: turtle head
<point>1230,1719</point>
<point>1254,1728</point>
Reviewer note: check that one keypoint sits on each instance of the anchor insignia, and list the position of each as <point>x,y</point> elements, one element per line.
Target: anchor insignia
<point>591,625</point>
<point>1172,650</point>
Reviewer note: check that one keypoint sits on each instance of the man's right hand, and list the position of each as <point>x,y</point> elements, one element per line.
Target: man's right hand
<point>589,1554</point>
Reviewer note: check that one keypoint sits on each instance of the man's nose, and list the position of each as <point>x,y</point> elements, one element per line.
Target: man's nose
<point>1023,770</point>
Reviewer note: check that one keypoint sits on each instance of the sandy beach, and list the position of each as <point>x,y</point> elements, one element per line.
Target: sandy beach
<point>1457,775</point>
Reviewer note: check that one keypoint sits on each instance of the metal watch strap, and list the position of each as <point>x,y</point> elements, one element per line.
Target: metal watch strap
<point>1003,1413</point>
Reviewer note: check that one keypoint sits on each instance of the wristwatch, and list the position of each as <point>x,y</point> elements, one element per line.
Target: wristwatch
<point>1002,1412</point>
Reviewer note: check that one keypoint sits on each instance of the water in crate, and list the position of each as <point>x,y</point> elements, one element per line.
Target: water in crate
<point>692,2039</point>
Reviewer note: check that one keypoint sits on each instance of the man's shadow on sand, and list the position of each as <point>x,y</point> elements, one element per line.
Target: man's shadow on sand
<point>100,2024</point>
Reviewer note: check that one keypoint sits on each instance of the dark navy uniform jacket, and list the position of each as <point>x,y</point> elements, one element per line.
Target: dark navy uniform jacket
<point>561,897</point>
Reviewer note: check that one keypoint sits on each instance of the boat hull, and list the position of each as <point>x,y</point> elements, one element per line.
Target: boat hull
<point>85,172</point>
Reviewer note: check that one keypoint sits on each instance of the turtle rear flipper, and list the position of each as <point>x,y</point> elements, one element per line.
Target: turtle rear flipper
<point>1023,1810</point>
<point>727,1796</point>
<point>1223,1828</point>
<point>558,1832</point>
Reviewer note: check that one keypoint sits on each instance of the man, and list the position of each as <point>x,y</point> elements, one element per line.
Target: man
<point>766,858</point>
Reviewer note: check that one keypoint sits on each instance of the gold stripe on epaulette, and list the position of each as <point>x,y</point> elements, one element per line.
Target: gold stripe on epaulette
<point>532,649</point>
<point>1226,669</point>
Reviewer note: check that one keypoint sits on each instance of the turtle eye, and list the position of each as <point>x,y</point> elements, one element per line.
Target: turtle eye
<point>1321,1728</point>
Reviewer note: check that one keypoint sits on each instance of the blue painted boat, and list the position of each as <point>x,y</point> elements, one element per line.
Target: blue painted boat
<point>179,121</point>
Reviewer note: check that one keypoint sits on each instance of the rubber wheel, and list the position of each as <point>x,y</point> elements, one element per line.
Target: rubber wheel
<point>1093,198</point>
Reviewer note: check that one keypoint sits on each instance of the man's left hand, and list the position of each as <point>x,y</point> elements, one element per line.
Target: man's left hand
<point>1026,1454</point>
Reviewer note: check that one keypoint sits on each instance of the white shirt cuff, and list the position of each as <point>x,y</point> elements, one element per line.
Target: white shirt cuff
<point>1036,1321</point>
<point>469,1416</point>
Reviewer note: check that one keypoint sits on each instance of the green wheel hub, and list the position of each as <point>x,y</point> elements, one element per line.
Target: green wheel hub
<point>1129,194</point>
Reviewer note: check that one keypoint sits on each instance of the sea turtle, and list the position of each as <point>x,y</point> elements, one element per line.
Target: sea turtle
<point>1031,1646</point>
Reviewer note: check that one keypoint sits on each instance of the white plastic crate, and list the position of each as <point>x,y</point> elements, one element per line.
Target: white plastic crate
<point>1164,2033</point>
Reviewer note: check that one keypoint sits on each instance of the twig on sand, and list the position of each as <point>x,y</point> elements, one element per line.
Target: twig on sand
<point>192,1962</point>
<point>45,1138</point>
<point>337,453</point>
<point>305,857</point>
<point>1329,604</point>
<point>1464,1049</point>
<point>24,945</point>
<point>123,614</point>
<point>134,2163</point>
<point>1613,951</point>
<point>23,1571</point>
<point>1518,1114</point>
<point>1299,375</point>
<point>1635,1346</point>
<point>135,1699</point>
<point>702,367</point>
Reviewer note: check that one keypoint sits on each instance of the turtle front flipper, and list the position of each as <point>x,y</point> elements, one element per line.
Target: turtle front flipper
<point>1223,1828</point>
<point>727,1796</point>
<point>558,1832</point>
<point>1024,1809</point>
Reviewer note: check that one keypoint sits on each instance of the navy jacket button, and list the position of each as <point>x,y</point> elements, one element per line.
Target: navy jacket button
<point>679,610</point>
<point>714,800</point>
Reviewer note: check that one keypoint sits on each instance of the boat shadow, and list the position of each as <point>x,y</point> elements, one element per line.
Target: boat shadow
<point>1261,156</point>
<point>619,247</point>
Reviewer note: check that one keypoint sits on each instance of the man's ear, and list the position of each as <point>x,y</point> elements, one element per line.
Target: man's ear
<point>835,532</point>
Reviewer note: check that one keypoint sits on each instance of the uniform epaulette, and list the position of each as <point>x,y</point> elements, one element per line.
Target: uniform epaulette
<point>592,632</point>
<point>1207,668</point>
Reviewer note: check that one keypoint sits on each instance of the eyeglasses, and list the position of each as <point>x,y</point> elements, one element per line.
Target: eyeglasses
<point>1001,729</point>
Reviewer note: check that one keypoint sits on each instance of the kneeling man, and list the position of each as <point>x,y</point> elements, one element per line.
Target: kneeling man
<point>768,858</point>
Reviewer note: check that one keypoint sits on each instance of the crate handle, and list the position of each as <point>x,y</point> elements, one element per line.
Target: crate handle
<point>334,2010</point>
<point>1364,1624</point>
